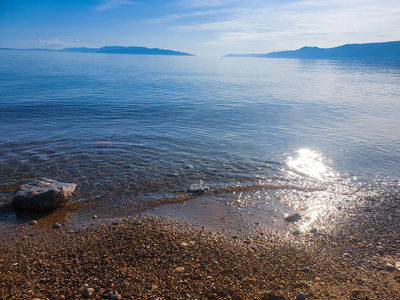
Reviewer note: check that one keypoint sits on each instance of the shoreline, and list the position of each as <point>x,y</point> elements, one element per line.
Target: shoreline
<point>142,258</point>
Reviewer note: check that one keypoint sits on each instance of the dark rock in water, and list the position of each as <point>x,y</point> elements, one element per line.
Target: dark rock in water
<point>197,189</point>
<point>42,194</point>
<point>293,218</point>
<point>296,233</point>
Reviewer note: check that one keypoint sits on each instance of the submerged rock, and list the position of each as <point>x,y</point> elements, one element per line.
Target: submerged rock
<point>293,218</point>
<point>197,189</point>
<point>42,194</point>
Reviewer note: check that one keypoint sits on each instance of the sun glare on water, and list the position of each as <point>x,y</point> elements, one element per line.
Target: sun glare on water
<point>310,163</point>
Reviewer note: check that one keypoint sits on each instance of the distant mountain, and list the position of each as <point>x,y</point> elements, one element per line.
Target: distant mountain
<point>115,50</point>
<point>388,51</point>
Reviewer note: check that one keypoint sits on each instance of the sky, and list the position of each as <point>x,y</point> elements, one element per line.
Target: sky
<point>200,27</point>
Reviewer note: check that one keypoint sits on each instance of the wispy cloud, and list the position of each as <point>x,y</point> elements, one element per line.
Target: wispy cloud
<point>60,43</point>
<point>302,22</point>
<point>190,15</point>
<point>111,4</point>
<point>207,3</point>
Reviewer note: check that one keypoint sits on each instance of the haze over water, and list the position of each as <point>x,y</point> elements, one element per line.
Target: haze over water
<point>133,129</point>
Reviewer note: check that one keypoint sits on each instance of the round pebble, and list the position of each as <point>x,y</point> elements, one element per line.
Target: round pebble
<point>56,225</point>
<point>179,270</point>
<point>183,245</point>
<point>389,267</point>
<point>300,296</point>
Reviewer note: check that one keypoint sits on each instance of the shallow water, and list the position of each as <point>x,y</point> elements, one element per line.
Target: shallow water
<point>135,131</point>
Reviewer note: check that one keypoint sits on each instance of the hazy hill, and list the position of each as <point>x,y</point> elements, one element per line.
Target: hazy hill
<point>388,51</point>
<point>115,50</point>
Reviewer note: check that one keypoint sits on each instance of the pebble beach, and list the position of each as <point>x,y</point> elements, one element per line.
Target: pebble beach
<point>155,257</point>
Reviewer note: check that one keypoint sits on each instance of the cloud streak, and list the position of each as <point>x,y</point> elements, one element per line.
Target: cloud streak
<point>60,43</point>
<point>112,4</point>
<point>311,22</point>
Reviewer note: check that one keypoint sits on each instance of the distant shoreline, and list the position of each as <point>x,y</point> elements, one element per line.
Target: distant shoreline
<point>112,50</point>
<point>387,51</point>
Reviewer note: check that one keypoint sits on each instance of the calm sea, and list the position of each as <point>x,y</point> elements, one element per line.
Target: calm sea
<point>135,131</point>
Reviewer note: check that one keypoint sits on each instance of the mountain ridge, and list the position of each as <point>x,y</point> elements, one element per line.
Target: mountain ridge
<point>113,50</point>
<point>386,51</point>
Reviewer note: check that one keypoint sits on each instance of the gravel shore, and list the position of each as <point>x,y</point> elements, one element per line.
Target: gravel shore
<point>148,257</point>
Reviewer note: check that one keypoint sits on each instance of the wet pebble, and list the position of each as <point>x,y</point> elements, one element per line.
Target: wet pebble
<point>300,296</point>
<point>293,218</point>
<point>115,297</point>
<point>56,226</point>
<point>33,222</point>
<point>296,233</point>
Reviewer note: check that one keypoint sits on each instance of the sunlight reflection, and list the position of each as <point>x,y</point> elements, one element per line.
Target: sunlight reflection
<point>310,163</point>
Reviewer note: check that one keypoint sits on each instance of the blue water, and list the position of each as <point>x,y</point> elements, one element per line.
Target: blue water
<point>131,129</point>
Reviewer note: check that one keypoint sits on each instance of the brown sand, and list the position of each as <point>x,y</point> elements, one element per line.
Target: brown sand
<point>140,258</point>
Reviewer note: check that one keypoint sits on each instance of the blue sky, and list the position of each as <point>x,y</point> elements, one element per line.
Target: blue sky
<point>201,27</point>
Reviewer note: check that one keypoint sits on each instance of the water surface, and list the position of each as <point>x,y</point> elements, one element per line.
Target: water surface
<point>134,130</point>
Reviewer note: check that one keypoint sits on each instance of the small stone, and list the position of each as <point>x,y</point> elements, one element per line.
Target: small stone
<point>389,267</point>
<point>87,293</point>
<point>179,270</point>
<point>398,266</point>
<point>33,222</point>
<point>94,217</point>
<point>115,297</point>
<point>56,226</point>
<point>318,279</point>
<point>347,255</point>
<point>314,230</point>
<point>300,296</point>
<point>305,270</point>
<point>197,189</point>
<point>380,248</point>
<point>251,280</point>
<point>183,245</point>
<point>107,294</point>
<point>215,262</point>
<point>296,233</point>
<point>293,218</point>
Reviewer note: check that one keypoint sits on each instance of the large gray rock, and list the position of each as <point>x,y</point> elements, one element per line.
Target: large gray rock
<point>42,194</point>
